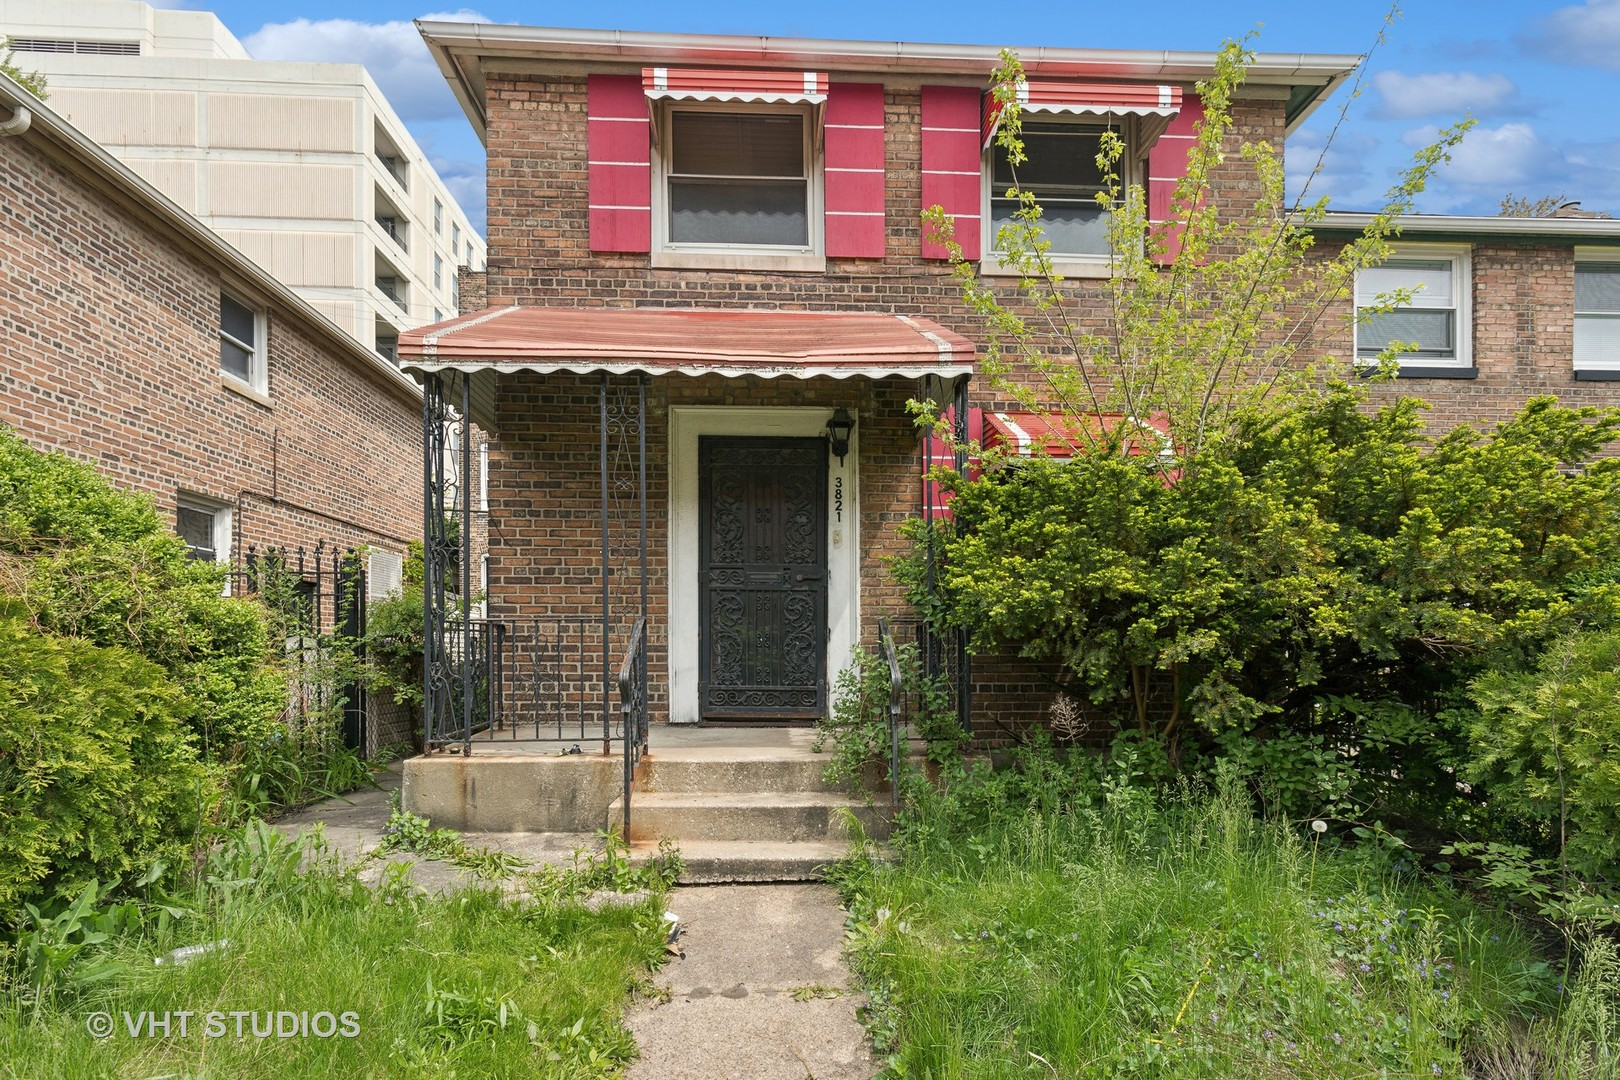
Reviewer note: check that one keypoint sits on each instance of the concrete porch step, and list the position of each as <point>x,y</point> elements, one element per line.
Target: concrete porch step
<point>715,862</point>
<point>693,771</point>
<point>773,816</point>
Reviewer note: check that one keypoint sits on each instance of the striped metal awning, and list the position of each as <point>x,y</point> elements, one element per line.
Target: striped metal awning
<point>710,84</point>
<point>1101,100</point>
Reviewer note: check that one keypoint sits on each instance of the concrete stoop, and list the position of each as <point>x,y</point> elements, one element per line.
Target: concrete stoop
<point>749,818</point>
<point>742,804</point>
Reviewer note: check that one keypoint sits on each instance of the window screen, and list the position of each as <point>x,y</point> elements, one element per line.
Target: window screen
<point>1063,175</point>
<point>1597,315</point>
<point>196,528</point>
<point>237,344</point>
<point>1426,319</point>
<point>738,178</point>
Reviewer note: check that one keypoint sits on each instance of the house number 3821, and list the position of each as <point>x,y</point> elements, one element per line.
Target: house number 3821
<point>838,499</point>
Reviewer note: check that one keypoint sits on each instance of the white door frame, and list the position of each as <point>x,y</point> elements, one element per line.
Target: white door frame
<point>686,424</point>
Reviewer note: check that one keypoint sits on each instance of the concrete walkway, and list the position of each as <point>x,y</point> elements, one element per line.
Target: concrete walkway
<point>732,1010</point>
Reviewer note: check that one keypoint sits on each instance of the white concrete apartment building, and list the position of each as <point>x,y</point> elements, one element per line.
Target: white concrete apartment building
<point>303,167</point>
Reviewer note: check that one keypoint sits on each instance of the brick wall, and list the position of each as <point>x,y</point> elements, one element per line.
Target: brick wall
<point>109,352</point>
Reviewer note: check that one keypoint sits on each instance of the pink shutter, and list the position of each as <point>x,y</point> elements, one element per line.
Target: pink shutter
<point>854,170</point>
<point>619,163</point>
<point>950,163</point>
<point>1167,163</point>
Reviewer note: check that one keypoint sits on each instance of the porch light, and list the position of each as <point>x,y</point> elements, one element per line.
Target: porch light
<point>838,429</point>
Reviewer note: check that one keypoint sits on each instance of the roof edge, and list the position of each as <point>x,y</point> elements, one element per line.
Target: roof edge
<point>448,42</point>
<point>192,231</point>
<point>1479,225</point>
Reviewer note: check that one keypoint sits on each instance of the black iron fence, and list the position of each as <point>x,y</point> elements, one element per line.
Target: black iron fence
<point>316,597</point>
<point>633,710</point>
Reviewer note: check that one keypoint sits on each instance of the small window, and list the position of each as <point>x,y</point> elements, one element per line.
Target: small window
<point>438,272</point>
<point>205,527</point>
<point>455,239</point>
<point>1063,176</point>
<point>737,179</point>
<point>1432,319</point>
<point>1597,316</point>
<point>241,337</point>
<point>469,254</point>
<point>438,217</point>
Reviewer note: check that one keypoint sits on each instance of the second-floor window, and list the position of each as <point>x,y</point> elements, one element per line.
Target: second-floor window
<point>1063,176</point>
<point>736,178</point>
<point>1429,286</point>
<point>241,342</point>
<point>1597,316</point>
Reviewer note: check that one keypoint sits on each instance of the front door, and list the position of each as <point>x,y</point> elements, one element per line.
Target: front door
<point>762,578</point>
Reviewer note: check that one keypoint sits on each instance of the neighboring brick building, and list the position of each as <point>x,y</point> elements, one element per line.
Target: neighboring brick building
<point>1509,308</point>
<point>781,185</point>
<point>135,339</point>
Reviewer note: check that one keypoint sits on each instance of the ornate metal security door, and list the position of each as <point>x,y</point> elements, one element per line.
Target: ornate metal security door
<point>762,578</point>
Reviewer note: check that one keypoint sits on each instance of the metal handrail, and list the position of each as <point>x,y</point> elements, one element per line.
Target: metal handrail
<point>633,707</point>
<point>896,703</point>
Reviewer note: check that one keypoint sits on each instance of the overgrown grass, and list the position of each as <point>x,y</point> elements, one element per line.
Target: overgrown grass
<point>470,984</point>
<point>1133,935</point>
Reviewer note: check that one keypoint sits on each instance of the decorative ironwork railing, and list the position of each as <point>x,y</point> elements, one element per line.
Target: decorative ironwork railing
<point>897,697</point>
<point>633,707</point>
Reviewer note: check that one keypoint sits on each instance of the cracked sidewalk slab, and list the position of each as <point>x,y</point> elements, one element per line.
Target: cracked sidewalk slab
<point>762,992</point>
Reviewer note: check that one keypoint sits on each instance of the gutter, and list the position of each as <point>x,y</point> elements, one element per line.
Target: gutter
<point>114,174</point>
<point>1591,229</point>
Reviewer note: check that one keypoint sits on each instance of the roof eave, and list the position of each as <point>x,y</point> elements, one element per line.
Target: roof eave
<point>452,43</point>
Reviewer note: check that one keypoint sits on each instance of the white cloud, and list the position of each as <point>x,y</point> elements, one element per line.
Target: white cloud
<point>393,52</point>
<point>1498,157</point>
<point>1586,33</point>
<point>1444,93</point>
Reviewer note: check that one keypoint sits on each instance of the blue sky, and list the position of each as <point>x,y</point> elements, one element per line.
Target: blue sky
<point>1532,74</point>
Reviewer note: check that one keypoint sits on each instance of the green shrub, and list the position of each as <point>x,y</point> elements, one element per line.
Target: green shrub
<point>1546,749</point>
<point>97,775</point>
<point>91,562</point>
<point>1312,596</point>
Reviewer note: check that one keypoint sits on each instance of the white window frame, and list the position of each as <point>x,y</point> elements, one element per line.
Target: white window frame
<point>258,380</point>
<point>1132,171</point>
<point>438,272</point>
<point>223,514</point>
<point>1593,257</point>
<point>455,238</point>
<point>1462,282</point>
<point>438,218</point>
<point>811,256</point>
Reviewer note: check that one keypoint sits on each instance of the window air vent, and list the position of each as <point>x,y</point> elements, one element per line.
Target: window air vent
<point>78,48</point>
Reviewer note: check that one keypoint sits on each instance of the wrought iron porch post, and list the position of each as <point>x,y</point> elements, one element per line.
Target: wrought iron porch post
<point>964,662</point>
<point>464,496</point>
<point>641,427</point>
<point>431,423</point>
<point>607,659</point>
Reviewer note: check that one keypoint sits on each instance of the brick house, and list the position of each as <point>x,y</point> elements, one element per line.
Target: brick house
<point>708,282</point>
<point>134,338</point>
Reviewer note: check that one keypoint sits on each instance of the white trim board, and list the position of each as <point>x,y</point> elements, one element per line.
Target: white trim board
<point>686,425</point>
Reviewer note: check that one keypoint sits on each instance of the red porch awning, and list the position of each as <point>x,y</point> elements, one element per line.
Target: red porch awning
<point>689,341</point>
<point>683,341</point>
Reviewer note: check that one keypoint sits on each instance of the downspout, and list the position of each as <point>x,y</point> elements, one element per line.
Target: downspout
<point>20,119</point>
